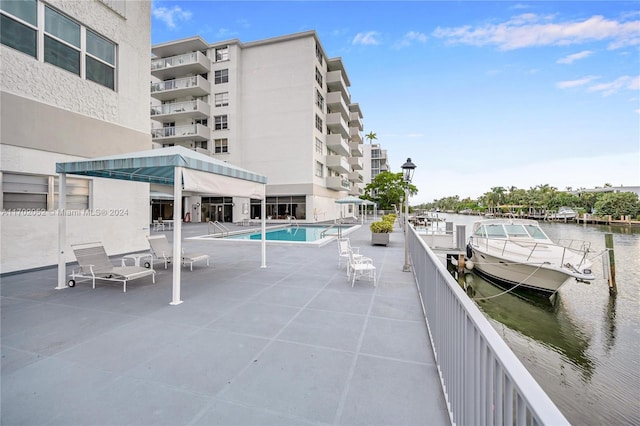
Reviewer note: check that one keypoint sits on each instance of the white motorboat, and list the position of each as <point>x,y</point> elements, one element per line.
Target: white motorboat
<point>565,213</point>
<point>517,252</point>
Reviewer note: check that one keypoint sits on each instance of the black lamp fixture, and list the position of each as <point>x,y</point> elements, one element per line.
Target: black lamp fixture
<point>408,168</point>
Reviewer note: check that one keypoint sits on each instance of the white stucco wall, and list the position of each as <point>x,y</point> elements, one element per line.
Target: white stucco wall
<point>129,104</point>
<point>120,210</point>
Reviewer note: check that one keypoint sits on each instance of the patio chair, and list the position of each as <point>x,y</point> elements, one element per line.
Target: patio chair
<point>94,264</point>
<point>361,266</point>
<point>344,247</point>
<point>163,251</point>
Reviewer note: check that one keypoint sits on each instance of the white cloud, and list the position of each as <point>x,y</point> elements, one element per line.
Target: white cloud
<point>621,83</point>
<point>529,30</point>
<point>575,83</point>
<point>171,15</point>
<point>411,37</point>
<point>370,37</point>
<point>569,59</point>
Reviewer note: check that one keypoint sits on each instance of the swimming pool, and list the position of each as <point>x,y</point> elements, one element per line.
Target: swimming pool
<point>293,233</point>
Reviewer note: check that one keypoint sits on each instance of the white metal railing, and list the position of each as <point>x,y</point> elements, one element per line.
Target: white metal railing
<point>174,107</point>
<point>483,381</point>
<point>224,231</point>
<point>187,58</point>
<point>178,83</point>
<point>172,131</point>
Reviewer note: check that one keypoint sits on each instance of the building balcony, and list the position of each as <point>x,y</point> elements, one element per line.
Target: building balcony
<point>355,134</point>
<point>355,149</point>
<point>195,110</point>
<point>355,177</point>
<point>337,124</point>
<point>338,183</point>
<point>174,134</point>
<point>338,144</point>
<point>191,63</point>
<point>355,120</point>
<point>336,103</point>
<point>356,190</point>
<point>355,163</point>
<point>181,87</point>
<point>338,164</point>
<point>336,83</point>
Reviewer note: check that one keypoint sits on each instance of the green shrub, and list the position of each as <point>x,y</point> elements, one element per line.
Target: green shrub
<point>381,227</point>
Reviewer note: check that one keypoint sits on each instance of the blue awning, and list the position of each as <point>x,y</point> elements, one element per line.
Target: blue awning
<point>155,166</point>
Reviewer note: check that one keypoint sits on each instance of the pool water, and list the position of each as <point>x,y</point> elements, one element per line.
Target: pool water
<point>302,233</point>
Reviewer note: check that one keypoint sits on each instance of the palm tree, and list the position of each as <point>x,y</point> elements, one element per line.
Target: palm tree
<point>371,136</point>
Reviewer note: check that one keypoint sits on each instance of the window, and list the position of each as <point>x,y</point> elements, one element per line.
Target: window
<point>220,122</point>
<point>222,53</point>
<point>20,31</point>
<point>61,41</point>
<point>319,169</point>
<point>100,60</point>
<point>24,191</point>
<point>221,145</point>
<point>319,100</point>
<point>65,43</point>
<point>222,99</point>
<point>319,56</point>
<point>319,125</point>
<point>319,146</point>
<point>221,76</point>
<point>201,144</point>
<point>319,77</point>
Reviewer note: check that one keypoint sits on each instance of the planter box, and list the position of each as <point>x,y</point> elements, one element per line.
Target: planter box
<point>380,239</point>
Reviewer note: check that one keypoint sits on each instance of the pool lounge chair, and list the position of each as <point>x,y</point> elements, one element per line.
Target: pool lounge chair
<point>94,264</point>
<point>163,251</point>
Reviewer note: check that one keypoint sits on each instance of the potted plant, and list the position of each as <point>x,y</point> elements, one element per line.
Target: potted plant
<point>381,229</point>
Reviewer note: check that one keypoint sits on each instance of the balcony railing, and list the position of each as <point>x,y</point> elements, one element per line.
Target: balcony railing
<point>338,144</point>
<point>482,379</point>
<point>171,89</point>
<point>338,183</point>
<point>337,124</point>
<point>184,64</point>
<point>196,132</point>
<point>195,108</point>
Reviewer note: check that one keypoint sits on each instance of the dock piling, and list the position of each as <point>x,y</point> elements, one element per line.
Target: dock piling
<point>608,241</point>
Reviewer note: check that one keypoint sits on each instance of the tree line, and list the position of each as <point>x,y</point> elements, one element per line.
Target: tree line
<point>543,197</point>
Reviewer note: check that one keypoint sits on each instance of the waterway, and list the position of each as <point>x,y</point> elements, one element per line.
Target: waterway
<point>584,347</point>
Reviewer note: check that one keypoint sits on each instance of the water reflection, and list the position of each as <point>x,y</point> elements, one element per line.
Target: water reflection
<point>546,320</point>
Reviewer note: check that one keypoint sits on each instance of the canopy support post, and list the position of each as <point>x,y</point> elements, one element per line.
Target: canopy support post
<point>263,243</point>
<point>177,234</point>
<point>62,231</point>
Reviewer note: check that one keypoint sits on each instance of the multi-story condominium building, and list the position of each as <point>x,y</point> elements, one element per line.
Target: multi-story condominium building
<point>278,107</point>
<point>74,85</point>
<point>375,161</point>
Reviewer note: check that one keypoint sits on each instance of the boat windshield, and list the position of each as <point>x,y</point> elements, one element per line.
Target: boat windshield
<point>491,231</point>
<point>536,232</point>
<point>516,231</point>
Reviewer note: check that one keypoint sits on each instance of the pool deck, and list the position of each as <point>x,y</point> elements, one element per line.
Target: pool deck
<point>289,344</point>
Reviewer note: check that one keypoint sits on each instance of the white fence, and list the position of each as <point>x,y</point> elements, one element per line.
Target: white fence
<point>483,381</point>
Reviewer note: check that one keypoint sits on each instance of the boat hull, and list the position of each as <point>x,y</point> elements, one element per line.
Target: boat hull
<point>533,277</point>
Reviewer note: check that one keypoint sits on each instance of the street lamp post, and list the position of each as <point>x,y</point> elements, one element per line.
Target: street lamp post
<point>407,169</point>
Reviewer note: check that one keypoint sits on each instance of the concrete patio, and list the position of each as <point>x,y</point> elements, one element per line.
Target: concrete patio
<point>290,344</point>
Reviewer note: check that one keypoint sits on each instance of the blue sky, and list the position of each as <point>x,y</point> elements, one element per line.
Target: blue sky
<point>479,94</point>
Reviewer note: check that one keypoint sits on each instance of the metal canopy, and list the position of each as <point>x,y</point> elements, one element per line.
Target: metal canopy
<point>180,167</point>
<point>155,166</point>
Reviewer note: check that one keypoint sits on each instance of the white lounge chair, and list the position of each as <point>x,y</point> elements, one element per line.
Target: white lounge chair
<point>361,266</point>
<point>94,264</point>
<point>163,251</point>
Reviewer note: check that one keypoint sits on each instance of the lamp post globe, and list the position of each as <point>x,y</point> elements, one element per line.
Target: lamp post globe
<point>407,169</point>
